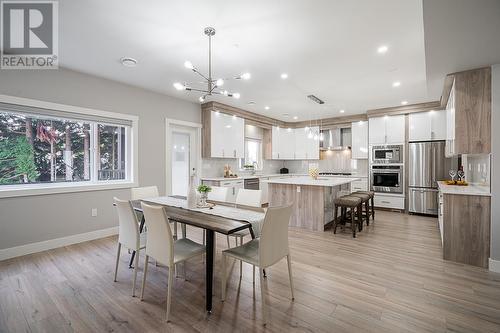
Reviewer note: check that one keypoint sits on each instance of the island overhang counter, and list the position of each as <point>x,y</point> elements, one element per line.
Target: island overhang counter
<point>311,199</point>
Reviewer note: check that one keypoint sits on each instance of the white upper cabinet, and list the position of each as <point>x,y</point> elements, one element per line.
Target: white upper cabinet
<point>427,126</point>
<point>293,144</point>
<point>313,145</point>
<point>227,136</point>
<point>275,142</point>
<point>387,130</point>
<point>301,144</point>
<point>395,129</point>
<point>438,128</point>
<point>376,130</point>
<point>287,144</point>
<point>359,132</point>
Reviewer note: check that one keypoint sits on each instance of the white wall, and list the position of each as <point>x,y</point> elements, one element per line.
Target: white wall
<point>495,165</point>
<point>25,220</point>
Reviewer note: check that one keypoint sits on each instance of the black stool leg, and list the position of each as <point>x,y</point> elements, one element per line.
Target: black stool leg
<point>353,223</point>
<point>367,208</point>
<point>360,217</point>
<point>373,208</point>
<point>335,219</point>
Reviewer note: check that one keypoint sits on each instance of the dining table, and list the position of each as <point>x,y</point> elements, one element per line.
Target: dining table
<point>219,218</point>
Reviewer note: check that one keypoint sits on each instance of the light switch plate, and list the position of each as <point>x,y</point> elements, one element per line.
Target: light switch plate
<point>94,212</point>
<point>298,189</point>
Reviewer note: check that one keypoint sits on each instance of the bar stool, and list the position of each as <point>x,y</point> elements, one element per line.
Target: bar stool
<point>365,201</point>
<point>352,203</point>
<point>372,196</point>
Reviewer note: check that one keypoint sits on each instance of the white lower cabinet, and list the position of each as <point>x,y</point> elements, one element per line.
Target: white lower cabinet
<point>389,201</point>
<point>441,215</point>
<point>234,186</point>
<point>359,185</point>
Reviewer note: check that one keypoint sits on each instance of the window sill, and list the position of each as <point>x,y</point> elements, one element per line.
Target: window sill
<point>10,191</point>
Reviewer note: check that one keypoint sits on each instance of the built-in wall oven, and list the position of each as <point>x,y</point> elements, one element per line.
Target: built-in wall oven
<point>387,178</point>
<point>387,154</point>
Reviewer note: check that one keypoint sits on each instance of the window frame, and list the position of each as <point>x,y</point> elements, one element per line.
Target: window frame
<point>242,161</point>
<point>18,190</point>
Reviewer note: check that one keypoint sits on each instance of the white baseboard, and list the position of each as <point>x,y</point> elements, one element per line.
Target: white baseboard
<point>22,250</point>
<point>494,265</point>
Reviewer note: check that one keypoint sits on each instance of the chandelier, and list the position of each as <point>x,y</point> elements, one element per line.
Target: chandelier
<point>213,86</point>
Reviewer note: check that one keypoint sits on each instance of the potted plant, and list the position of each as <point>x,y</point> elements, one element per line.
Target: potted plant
<point>203,190</point>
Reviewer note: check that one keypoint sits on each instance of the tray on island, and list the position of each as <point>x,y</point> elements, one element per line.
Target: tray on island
<point>456,182</point>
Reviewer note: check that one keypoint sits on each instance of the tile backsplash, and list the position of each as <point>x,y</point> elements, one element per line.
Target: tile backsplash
<point>477,168</point>
<point>332,161</point>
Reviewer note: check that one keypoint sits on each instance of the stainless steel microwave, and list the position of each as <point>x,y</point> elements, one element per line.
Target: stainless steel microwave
<point>387,154</point>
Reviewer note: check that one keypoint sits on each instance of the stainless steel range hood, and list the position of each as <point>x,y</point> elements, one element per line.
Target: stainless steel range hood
<point>336,139</point>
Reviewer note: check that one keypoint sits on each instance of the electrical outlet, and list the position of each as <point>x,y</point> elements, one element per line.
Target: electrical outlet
<point>298,189</point>
<point>94,212</point>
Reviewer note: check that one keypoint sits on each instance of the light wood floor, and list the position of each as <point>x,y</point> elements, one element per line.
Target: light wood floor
<point>389,279</point>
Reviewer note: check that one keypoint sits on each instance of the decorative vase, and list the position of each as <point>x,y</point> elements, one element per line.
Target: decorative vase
<point>203,199</point>
<point>191,197</point>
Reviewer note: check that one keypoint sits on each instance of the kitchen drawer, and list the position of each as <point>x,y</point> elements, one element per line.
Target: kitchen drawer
<point>386,201</point>
<point>359,185</point>
<point>231,183</point>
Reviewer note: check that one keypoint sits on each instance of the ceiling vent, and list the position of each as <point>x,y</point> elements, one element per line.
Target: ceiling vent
<point>315,99</point>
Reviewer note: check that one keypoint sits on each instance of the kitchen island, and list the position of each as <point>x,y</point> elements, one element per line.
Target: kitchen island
<point>312,199</point>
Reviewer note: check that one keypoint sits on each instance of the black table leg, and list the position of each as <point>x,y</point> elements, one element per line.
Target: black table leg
<point>209,268</point>
<point>133,252</point>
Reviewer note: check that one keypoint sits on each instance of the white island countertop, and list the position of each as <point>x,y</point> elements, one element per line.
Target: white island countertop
<point>472,189</point>
<point>308,181</point>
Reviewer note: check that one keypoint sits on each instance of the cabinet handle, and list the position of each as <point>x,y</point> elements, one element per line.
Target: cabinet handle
<point>278,155</point>
<point>386,202</point>
<point>222,152</point>
<point>235,153</point>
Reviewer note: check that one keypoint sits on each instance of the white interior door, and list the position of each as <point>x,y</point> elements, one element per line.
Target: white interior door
<point>183,150</point>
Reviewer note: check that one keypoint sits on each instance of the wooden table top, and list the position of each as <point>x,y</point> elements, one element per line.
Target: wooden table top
<point>201,219</point>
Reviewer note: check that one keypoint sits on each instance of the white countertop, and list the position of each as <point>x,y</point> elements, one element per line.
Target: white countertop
<point>471,189</point>
<point>242,177</point>
<point>308,181</point>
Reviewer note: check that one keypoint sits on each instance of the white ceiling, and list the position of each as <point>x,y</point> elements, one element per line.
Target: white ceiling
<point>459,35</point>
<point>328,48</point>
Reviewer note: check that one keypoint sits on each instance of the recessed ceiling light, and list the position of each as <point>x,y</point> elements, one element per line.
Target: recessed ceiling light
<point>404,102</point>
<point>382,49</point>
<point>342,111</point>
<point>266,107</point>
<point>284,76</point>
<point>396,84</point>
<point>295,117</point>
<point>128,62</point>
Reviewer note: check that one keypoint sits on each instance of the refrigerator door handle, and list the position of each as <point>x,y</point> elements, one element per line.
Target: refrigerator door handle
<point>433,179</point>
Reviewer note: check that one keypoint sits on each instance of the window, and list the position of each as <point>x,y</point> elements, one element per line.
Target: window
<point>50,148</point>
<point>253,154</point>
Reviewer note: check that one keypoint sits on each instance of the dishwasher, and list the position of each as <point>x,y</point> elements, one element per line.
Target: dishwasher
<point>252,183</point>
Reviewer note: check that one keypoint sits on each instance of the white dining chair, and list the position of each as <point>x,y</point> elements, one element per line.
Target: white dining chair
<point>218,193</point>
<point>139,193</point>
<point>245,199</point>
<point>271,247</point>
<point>163,248</point>
<point>128,234</point>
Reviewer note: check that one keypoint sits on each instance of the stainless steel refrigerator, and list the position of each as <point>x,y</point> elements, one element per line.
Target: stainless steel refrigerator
<point>427,165</point>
